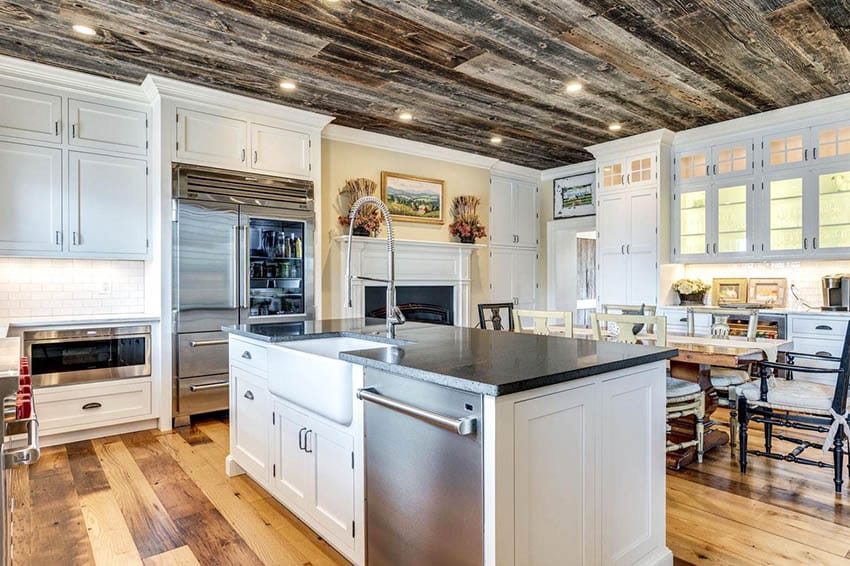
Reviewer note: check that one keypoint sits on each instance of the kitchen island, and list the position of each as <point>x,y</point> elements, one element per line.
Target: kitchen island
<point>480,447</point>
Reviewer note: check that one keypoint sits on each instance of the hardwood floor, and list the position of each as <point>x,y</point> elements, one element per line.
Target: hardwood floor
<point>163,499</point>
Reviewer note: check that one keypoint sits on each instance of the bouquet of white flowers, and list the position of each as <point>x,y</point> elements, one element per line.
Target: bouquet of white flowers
<point>691,291</point>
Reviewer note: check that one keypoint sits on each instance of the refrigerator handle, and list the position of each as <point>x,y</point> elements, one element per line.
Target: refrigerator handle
<point>245,263</point>
<point>234,304</point>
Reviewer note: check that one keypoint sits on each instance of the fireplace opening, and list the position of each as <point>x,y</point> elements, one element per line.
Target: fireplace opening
<point>419,303</point>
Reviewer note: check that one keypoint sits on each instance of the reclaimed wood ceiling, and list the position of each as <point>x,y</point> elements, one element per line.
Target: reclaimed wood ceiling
<point>466,69</point>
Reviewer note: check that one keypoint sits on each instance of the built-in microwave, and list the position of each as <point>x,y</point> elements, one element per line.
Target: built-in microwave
<point>62,357</point>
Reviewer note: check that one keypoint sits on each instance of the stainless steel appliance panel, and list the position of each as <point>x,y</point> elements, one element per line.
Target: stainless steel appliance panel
<point>206,260</point>
<point>201,353</point>
<point>424,483</point>
<point>202,394</point>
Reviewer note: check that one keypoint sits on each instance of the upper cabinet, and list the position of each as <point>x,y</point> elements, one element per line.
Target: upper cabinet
<point>785,149</point>
<point>100,126</point>
<point>635,171</point>
<point>513,212</point>
<point>831,141</point>
<point>31,115</point>
<point>704,164</point>
<point>221,141</point>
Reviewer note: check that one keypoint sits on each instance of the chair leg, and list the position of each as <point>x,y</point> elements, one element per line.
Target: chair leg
<point>742,433</point>
<point>700,415</point>
<point>838,455</point>
<point>733,418</point>
<point>768,435</point>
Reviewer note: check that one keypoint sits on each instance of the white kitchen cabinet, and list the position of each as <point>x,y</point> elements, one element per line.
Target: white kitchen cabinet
<point>105,127</point>
<point>30,114</point>
<point>726,158</point>
<point>277,151</point>
<point>108,206</point>
<point>634,171</point>
<point>513,276</point>
<point>250,420</point>
<point>208,139</point>
<point>30,199</point>
<point>556,483</point>
<point>513,212</point>
<point>820,335</point>
<point>294,467</point>
<point>785,149</point>
<point>831,141</point>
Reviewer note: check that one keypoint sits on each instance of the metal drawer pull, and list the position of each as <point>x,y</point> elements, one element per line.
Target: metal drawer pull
<point>823,327</point>
<point>822,353</point>
<point>29,453</point>
<point>248,395</point>
<point>301,442</point>
<point>93,405</point>
<point>246,354</point>
<point>216,385</point>
<point>463,426</point>
<point>197,343</point>
<point>307,441</point>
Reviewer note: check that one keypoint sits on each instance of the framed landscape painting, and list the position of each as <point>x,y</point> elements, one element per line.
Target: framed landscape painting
<point>413,199</point>
<point>574,196</point>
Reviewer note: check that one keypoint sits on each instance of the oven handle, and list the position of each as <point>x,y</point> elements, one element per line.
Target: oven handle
<point>215,385</point>
<point>28,454</point>
<point>85,339</point>
<point>198,343</point>
<point>462,426</point>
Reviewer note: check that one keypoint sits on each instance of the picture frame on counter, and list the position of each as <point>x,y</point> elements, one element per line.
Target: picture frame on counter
<point>729,291</point>
<point>413,199</point>
<point>768,291</point>
<point>575,196</point>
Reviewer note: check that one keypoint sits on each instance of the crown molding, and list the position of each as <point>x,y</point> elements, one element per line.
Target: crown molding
<point>47,75</point>
<point>568,170</point>
<point>662,136</point>
<point>517,171</point>
<point>155,86</point>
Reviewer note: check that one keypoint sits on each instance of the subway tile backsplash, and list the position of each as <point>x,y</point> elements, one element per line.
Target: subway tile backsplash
<point>31,288</point>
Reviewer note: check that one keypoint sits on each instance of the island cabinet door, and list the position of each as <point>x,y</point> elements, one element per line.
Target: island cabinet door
<point>554,494</point>
<point>293,473</point>
<point>631,454</point>
<point>333,503</point>
<point>250,418</point>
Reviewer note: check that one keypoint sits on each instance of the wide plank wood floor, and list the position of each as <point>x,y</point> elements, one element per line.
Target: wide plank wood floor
<point>156,498</point>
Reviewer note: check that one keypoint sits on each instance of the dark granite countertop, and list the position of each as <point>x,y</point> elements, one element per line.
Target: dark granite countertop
<point>480,361</point>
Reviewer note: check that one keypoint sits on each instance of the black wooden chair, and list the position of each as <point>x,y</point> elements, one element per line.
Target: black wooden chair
<point>801,405</point>
<point>496,314</point>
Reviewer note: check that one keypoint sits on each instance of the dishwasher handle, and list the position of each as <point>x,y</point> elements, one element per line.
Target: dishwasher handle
<point>463,426</point>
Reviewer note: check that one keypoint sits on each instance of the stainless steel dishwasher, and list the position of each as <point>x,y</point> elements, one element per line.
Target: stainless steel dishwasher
<point>424,473</point>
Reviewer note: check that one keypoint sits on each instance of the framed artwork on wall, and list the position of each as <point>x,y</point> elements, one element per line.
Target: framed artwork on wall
<point>729,291</point>
<point>413,199</point>
<point>574,196</point>
<point>769,292</point>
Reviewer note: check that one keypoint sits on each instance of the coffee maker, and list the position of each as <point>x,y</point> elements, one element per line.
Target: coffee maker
<point>836,292</point>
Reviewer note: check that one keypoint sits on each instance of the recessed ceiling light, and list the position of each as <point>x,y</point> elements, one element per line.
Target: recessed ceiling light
<point>405,116</point>
<point>574,86</point>
<point>615,127</point>
<point>496,140</point>
<point>287,85</point>
<point>83,30</point>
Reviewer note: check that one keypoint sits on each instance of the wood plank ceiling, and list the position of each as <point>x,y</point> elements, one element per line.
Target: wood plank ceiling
<point>466,69</point>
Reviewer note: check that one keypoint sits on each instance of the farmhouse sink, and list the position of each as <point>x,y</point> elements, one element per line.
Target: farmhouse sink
<point>310,374</point>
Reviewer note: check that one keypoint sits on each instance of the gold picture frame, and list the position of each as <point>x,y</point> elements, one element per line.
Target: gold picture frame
<point>768,291</point>
<point>413,199</point>
<point>729,291</point>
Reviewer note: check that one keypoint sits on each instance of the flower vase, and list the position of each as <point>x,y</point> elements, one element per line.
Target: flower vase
<point>467,239</point>
<point>692,298</point>
<point>360,231</point>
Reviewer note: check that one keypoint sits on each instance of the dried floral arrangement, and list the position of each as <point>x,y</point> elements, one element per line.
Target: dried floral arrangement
<point>466,226</point>
<point>368,219</point>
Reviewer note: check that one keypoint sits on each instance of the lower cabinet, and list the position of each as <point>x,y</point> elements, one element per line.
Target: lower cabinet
<point>513,276</point>
<point>250,418</point>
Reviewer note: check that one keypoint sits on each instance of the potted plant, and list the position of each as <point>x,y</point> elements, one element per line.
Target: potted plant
<point>691,291</point>
<point>466,226</point>
<point>368,219</point>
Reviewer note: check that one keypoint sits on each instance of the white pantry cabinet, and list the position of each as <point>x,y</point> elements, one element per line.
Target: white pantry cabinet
<point>108,206</point>
<point>30,114</point>
<point>513,212</point>
<point>30,199</point>
<point>513,276</point>
<point>105,127</point>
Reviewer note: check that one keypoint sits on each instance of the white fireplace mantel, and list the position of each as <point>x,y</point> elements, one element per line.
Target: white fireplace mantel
<point>416,263</point>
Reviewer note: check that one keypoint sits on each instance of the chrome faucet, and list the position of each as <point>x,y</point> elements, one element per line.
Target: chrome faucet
<point>393,313</point>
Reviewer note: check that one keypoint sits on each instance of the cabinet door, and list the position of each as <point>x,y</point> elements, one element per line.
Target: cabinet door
<point>560,483</point>
<point>501,270</point>
<point>733,158</point>
<point>333,503</point>
<point>108,205</point>
<point>691,166</point>
<point>612,223</point>
<point>208,139</point>
<point>280,152</point>
<point>30,199</point>
<point>612,175</point>
<point>642,248</point>
<point>691,227</point>
<point>524,213</point>
<point>250,418</point>
<point>732,210</point>
<point>107,127</point>
<point>783,231</point>
<point>29,114</point>
<point>833,209</point>
<point>294,476</point>
<point>785,150</point>
<point>524,277</point>
<point>501,213</point>
<point>831,141</point>
<point>641,170</point>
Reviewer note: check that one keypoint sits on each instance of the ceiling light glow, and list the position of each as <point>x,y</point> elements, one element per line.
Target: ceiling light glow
<point>574,86</point>
<point>287,85</point>
<point>405,116</point>
<point>496,140</point>
<point>83,30</point>
<point>615,127</point>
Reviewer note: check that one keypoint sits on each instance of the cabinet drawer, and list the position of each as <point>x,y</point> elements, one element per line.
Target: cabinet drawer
<point>201,353</point>
<point>203,394</point>
<point>248,355</point>
<point>107,127</point>
<point>77,407</point>
<point>827,326</point>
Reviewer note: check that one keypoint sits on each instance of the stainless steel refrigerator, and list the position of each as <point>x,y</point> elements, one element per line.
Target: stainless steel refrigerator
<point>243,253</point>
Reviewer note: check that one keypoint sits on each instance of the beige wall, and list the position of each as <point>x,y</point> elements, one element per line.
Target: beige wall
<point>342,161</point>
